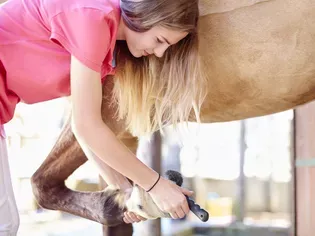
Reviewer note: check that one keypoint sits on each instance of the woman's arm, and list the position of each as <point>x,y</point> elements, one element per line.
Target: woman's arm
<point>89,128</point>
<point>109,175</point>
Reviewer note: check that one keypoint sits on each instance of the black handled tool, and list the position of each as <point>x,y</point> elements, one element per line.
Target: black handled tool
<point>202,214</point>
<point>177,178</point>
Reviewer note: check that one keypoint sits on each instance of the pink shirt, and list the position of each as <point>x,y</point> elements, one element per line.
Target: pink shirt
<point>37,38</point>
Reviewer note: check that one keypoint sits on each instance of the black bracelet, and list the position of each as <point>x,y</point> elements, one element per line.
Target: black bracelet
<point>154,184</point>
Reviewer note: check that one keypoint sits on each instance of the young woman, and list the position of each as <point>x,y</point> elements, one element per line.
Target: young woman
<point>55,48</point>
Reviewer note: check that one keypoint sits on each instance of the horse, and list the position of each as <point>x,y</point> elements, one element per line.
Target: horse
<point>259,59</point>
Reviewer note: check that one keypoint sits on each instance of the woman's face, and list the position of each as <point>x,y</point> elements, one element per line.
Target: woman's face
<point>154,41</point>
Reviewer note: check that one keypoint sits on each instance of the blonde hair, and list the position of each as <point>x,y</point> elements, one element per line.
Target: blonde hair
<point>151,92</point>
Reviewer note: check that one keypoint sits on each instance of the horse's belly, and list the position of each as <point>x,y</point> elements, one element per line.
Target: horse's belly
<point>260,59</point>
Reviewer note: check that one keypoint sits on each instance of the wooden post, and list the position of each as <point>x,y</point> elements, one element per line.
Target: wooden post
<point>293,204</point>
<point>149,152</point>
<point>120,230</point>
<point>305,169</point>
<point>242,179</point>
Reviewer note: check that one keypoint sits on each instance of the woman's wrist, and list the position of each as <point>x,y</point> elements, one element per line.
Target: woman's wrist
<point>158,179</point>
<point>147,179</point>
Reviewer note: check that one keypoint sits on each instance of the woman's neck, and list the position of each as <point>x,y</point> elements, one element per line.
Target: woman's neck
<point>121,32</point>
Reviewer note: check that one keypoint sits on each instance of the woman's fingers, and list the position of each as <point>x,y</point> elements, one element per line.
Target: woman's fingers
<point>127,219</point>
<point>184,206</point>
<point>130,217</point>
<point>174,215</point>
<point>180,213</point>
<point>187,192</point>
<point>141,218</point>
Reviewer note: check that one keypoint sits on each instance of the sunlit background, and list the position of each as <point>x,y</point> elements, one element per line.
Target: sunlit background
<point>208,156</point>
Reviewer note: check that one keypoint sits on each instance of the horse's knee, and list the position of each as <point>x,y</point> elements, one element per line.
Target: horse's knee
<point>38,190</point>
<point>44,192</point>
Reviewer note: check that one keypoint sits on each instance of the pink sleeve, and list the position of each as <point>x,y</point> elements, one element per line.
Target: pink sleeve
<point>85,33</point>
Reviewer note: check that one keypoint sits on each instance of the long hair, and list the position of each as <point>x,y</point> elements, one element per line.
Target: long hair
<point>151,92</point>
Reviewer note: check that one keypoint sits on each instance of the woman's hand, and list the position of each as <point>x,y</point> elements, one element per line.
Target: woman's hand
<point>170,198</point>
<point>130,217</point>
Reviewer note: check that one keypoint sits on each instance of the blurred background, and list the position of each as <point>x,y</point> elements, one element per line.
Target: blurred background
<point>240,171</point>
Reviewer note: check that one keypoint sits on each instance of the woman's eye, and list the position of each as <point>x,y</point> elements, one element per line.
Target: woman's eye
<point>158,40</point>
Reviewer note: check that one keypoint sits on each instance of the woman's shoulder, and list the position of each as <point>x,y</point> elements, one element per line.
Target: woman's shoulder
<point>55,7</point>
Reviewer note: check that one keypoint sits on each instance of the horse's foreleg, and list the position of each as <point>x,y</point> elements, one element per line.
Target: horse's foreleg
<point>49,187</point>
